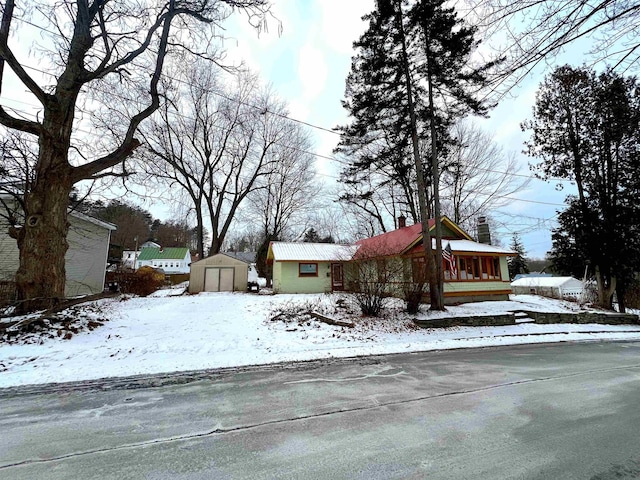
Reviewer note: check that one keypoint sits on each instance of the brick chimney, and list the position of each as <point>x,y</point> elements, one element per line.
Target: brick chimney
<point>402,221</point>
<point>484,235</point>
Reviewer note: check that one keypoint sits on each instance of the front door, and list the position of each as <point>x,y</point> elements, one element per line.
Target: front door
<point>337,277</point>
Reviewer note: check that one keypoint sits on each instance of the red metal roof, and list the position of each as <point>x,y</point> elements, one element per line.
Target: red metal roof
<point>391,243</point>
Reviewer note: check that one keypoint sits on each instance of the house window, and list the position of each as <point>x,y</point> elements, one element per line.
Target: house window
<point>418,270</point>
<point>307,269</point>
<point>491,268</point>
<point>478,268</point>
<point>446,268</point>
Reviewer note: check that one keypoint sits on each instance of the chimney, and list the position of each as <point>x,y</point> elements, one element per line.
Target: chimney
<point>484,235</point>
<point>402,221</point>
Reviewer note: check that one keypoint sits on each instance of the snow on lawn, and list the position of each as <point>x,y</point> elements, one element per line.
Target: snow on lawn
<point>167,333</point>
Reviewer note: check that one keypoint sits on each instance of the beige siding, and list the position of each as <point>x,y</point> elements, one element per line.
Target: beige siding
<point>198,272</point>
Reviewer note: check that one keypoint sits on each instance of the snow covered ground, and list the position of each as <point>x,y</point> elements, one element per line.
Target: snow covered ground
<point>169,332</point>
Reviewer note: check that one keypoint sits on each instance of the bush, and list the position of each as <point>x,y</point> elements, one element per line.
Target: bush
<point>412,293</point>
<point>143,282</point>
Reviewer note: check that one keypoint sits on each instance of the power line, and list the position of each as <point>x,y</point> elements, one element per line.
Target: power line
<point>287,117</point>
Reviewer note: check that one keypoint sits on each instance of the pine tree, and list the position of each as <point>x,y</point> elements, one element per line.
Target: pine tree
<point>409,81</point>
<point>517,264</point>
<point>585,128</point>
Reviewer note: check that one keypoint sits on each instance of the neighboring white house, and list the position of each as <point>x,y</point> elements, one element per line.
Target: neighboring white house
<point>85,260</point>
<point>555,287</point>
<point>172,259</point>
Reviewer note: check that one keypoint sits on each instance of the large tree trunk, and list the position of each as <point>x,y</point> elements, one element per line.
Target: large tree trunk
<point>605,289</point>
<point>42,241</point>
<point>437,297</point>
<point>430,267</point>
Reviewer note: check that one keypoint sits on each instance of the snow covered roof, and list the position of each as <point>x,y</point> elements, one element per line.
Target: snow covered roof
<point>311,252</point>
<point>468,246</point>
<point>545,282</point>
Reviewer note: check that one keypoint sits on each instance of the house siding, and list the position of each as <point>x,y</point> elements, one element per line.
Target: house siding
<point>9,256</point>
<point>291,282</point>
<point>85,260</point>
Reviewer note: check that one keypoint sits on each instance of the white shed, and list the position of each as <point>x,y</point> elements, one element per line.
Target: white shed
<point>555,287</point>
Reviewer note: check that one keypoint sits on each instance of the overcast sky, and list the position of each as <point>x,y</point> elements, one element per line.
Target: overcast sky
<point>308,64</point>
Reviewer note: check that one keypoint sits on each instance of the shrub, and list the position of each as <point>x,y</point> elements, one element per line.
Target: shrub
<point>412,293</point>
<point>143,282</point>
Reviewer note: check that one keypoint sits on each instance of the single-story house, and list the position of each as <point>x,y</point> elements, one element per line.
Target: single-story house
<point>554,287</point>
<point>172,260</point>
<point>473,271</point>
<point>300,267</point>
<point>85,260</point>
<point>218,273</point>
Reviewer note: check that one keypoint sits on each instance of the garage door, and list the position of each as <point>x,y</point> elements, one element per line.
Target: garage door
<point>218,279</point>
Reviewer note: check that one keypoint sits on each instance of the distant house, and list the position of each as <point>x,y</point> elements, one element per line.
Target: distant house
<point>473,271</point>
<point>554,287</point>
<point>172,259</point>
<point>308,267</point>
<point>247,257</point>
<point>85,260</point>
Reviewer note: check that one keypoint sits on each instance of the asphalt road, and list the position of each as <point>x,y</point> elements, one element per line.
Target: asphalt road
<point>562,411</point>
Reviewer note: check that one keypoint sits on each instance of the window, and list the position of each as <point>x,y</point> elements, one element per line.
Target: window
<point>418,269</point>
<point>308,269</point>
<point>491,268</point>
<point>478,268</point>
<point>446,268</point>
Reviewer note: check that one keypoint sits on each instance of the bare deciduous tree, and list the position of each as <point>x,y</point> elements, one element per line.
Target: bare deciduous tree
<point>219,144</point>
<point>477,176</point>
<point>91,43</point>
<point>530,32</point>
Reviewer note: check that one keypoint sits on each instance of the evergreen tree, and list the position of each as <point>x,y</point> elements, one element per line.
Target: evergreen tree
<point>585,128</point>
<point>410,79</point>
<point>517,264</point>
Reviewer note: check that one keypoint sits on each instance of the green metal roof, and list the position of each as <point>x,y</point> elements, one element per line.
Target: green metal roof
<point>173,253</point>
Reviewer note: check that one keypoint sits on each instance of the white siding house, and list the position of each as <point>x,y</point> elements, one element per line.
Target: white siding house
<point>555,287</point>
<point>172,260</point>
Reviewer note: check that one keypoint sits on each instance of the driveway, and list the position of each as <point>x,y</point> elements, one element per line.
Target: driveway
<point>565,411</point>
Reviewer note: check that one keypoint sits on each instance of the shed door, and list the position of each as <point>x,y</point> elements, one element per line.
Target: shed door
<point>218,279</point>
<point>226,279</point>
<point>212,280</point>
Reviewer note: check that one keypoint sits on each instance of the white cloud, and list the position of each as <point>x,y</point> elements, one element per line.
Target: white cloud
<point>312,71</point>
<point>341,22</point>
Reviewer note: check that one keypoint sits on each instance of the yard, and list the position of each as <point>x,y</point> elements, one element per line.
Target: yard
<point>170,331</point>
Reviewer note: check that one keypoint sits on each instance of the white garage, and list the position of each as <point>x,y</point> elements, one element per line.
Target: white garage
<point>218,273</point>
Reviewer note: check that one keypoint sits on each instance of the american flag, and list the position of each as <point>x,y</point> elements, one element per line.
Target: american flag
<point>447,254</point>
